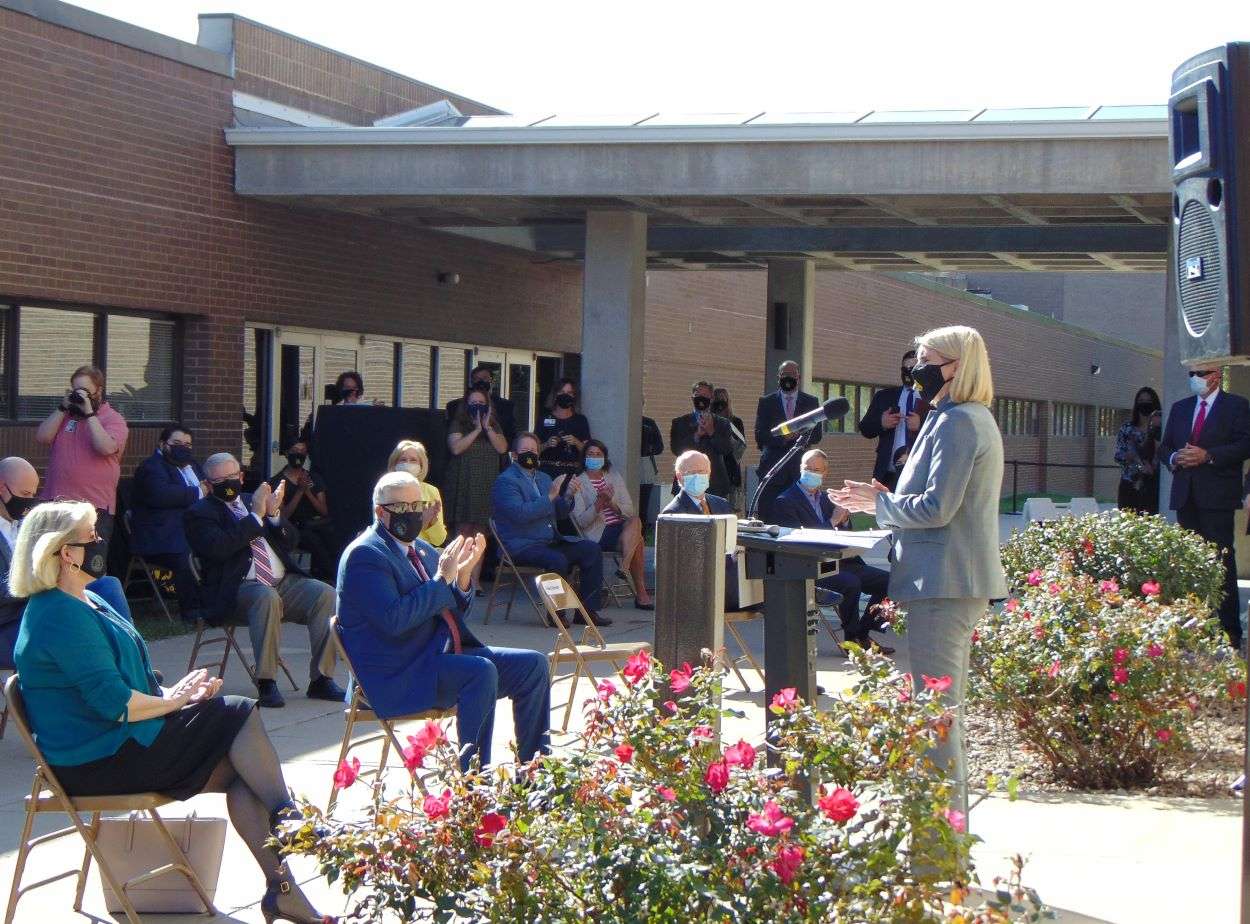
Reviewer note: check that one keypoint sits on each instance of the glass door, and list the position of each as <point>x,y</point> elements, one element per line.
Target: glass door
<point>297,389</point>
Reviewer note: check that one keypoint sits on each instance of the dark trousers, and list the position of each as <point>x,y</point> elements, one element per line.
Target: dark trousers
<point>8,639</point>
<point>1217,526</point>
<point>185,584</point>
<point>318,539</point>
<point>1143,499</point>
<point>562,556</point>
<point>853,580</point>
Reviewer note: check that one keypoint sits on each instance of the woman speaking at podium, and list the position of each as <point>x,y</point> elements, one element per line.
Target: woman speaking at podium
<point>944,516</point>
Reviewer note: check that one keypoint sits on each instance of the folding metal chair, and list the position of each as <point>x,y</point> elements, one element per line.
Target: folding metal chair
<point>618,583</point>
<point>138,562</point>
<point>4,718</point>
<point>559,597</point>
<point>733,619</point>
<point>511,575</point>
<point>47,795</point>
<point>358,711</point>
<point>228,643</point>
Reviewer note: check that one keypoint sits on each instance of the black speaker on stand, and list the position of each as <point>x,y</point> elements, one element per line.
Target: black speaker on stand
<point>1209,116</point>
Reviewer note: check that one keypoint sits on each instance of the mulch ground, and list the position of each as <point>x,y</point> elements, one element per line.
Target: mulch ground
<point>1219,733</point>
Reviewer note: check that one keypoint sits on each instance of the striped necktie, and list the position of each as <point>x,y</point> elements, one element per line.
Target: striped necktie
<point>262,566</point>
<point>448,616</point>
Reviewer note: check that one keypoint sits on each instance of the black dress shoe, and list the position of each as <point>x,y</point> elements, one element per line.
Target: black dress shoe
<point>595,618</point>
<point>325,688</point>
<point>267,694</point>
<point>643,606</point>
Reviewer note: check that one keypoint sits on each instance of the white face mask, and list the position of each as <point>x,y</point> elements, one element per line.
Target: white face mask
<point>1198,385</point>
<point>412,468</point>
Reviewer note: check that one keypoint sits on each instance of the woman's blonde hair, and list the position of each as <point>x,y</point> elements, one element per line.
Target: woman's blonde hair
<point>46,530</point>
<point>423,458</point>
<point>973,380</point>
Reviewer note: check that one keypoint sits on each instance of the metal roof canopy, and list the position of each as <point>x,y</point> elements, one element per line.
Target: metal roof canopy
<point>942,191</point>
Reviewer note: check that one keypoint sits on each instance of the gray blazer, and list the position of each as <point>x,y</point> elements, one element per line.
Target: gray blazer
<point>944,512</point>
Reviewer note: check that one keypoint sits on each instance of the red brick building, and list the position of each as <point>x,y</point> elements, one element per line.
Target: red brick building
<point>123,242</point>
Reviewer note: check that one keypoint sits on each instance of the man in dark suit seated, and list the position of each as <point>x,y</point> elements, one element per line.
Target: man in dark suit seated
<point>483,379</point>
<point>401,607</point>
<point>707,433</point>
<point>777,407</point>
<point>249,575</point>
<point>805,504</point>
<point>166,484</point>
<point>527,505</point>
<point>1205,443</point>
<point>893,419</point>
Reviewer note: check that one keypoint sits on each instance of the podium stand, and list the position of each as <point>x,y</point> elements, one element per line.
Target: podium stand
<point>791,619</point>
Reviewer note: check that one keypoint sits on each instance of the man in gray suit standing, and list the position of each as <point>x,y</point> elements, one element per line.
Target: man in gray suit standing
<point>944,515</point>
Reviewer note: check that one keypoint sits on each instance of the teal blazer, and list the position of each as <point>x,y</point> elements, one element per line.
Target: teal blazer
<point>78,667</point>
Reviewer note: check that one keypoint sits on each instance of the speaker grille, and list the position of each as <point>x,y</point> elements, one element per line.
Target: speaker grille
<point>1198,247</point>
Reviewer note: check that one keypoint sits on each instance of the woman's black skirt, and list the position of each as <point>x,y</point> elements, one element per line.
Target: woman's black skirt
<point>1142,495</point>
<point>177,764</point>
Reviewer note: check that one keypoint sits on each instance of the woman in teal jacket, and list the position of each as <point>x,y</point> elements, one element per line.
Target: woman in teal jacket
<point>104,723</point>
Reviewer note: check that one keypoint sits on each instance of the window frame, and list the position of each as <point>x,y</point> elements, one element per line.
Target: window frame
<point>851,390</point>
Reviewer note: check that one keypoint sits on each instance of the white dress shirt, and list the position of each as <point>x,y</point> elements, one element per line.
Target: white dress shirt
<point>275,563</point>
<point>906,404</point>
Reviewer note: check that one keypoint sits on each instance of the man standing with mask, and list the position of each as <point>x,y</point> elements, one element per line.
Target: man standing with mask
<point>707,433</point>
<point>250,575</point>
<point>482,379</point>
<point>166,484</point>
<point>1205,443</point>
<point>87,438</point>
<point>893,419</point>
<point>784,404</point>
<point>527,504</point>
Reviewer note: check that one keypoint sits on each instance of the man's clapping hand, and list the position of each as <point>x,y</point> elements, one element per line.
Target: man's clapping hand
<point>274,506</point>
<point>890,419</point>
<point>260,498</point>
<point>430,514</point>
<point>447,566</point>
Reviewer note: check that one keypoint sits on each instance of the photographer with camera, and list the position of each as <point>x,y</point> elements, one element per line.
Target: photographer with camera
<point>87,438</point>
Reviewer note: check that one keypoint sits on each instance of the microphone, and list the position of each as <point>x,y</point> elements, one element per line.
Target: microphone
<point>833,409</point>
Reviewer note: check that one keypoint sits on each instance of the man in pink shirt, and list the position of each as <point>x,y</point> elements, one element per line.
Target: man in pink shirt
<point>87,438</point>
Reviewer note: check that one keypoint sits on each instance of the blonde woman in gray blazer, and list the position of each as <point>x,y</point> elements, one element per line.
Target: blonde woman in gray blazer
<point>944,516</point>
<point>604,497</point>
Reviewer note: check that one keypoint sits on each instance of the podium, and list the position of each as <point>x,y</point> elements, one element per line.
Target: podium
<point>791,618</point>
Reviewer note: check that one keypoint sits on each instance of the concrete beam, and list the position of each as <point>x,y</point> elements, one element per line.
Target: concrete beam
<point>614,301</point>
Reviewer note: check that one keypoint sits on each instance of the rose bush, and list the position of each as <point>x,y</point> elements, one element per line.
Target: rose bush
<point>1127,548</point>
<point>1100,676</point>
<point>651,819</point>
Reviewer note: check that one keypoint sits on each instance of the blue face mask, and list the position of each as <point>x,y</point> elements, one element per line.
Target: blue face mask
<point>1198,385</point>
<point>594,463</point>
<point>811,480</point>
<point>695,485</point>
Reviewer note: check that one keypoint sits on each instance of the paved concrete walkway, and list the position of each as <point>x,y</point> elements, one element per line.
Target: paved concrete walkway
<point>1123,859</point>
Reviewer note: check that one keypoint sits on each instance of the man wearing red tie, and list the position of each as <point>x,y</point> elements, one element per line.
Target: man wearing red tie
<point>250,575</point>
<point>401,608</point>
<point>1205,443</point>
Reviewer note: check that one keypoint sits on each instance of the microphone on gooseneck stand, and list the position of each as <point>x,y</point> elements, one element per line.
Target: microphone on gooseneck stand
<point>833,409</point>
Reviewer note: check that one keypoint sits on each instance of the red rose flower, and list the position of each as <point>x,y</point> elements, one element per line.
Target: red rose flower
<point>346,773</point>
<point>1120,675</point>
<point>1120,655</point>
<point>437,806</point>
<point>786,700</point>
<point>679,680</point>
<point>937,684</point>
<point>1150,589</point>
<point>1164,735</point>
<point>637,667</point>
<point>787,862</point>
<point>666,793</point>
<point>413,754</point>
<point>717,775</point>
<point>1034,578</point>
<point>704,732</point>
<point>606,690</point>
<point>1108,587</point>
<point>492,823</point>
<point>742,754</point>
<point>771,821</point>
<point>624,753</point>
<point>839,805</point>
<point>1155,650</point>
<point>957,820</point>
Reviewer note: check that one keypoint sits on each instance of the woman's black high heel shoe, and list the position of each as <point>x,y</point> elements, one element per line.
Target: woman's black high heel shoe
<point>271,907</point>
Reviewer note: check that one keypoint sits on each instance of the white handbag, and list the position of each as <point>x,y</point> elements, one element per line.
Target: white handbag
<point>133,846</point>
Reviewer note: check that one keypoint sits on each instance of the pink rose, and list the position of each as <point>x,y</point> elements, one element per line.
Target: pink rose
<point>666,793</point>
<point>771,821</point>
<point>976,636</point>
<point>1108,587</point>
<point>937,684</point>
<point>606,690</point>
<point>1011,605</point>
<point>413,754</point>
<point>624,753</point>
<point>1120,675</point>
<point>492,824</point>
<point>786,700</point>
<point>1055,589</point>
<point>787,862</point>
<point>742,754</point>
<point>346,773</point>
<point>637,667</point>
<point>957,820</point>
<point>1053,671</point>
<point>1164,735</point>
<point>1120,656</point>
<point>839,805</point>
<point>1155,650</point>
<point>1115,697</point>
<point>679,680</point>
<point>428,736</point>
<point>1150,589</point>
<point>670,706</point>
<point>1039,632</point>
<point>704,732</point>
<point>717,775</point>
<point>1034,578</point>
<point>437,806</point>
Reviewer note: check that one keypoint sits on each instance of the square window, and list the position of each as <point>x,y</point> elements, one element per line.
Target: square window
<point>417,388</point>
<point>379,371</point>
<point>141,358</point>
<point>51,344</point>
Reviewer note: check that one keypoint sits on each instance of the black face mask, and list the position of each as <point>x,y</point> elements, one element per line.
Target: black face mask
<point>404,526</point>
<point>228,490</point>
<point>296,459</point>
<point>1146,409</point>
<point>701,403</point>
<point>94,562</point>
<point>527,460</point>
<point>719,407</point>
<point>178,455</point>
<point>928,378</point>
<point>565,401</point>
<point>907,376</point>
<point>788,383</point>
<point>18,507</point>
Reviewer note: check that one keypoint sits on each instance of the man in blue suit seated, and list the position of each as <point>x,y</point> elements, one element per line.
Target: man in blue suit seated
<point>526,505</point>
<point>694,474</point>
<point>401,609</point>
<point>804,504</point>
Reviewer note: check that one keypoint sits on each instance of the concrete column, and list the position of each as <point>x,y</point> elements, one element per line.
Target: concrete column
<point>1175,375</point>
<point>1239,384</point>
<point>788,333</point>
<point>614,302</point>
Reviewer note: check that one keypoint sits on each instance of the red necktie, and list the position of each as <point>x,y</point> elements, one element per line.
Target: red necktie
<point>1198,422</point>
<point>448,616</point>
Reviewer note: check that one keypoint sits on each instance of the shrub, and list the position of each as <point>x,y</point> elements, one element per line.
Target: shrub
<point>1127,548</point>
<point>1099,682</point>
<point>651,820</point>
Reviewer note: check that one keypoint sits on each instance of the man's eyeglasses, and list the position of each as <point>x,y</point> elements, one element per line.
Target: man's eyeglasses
<point>405,507</point>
